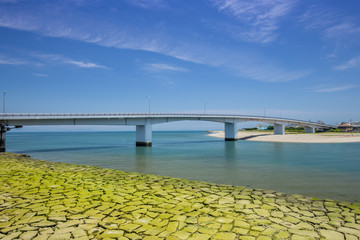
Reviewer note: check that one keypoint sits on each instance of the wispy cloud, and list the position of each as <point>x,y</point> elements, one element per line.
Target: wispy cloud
<point>111,33</point>
<point>260,19</point>
<point>147,3</point>
<point>332,88</point>
<point>11,61</point>
<point>268,73</point>
<point>40,75</point>
<point>83,64</point>
<point>354,62</point>
<point>65,60</point>
<point>331,24</point>
<point>5,60</point>
<point>160,67</point>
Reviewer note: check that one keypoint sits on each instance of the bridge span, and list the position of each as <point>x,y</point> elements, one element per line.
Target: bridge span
<point>144,122</point>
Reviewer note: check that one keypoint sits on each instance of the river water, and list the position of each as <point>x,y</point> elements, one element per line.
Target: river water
<point>319,170</point>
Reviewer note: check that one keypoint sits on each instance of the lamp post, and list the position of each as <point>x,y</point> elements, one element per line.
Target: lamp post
<point>4,101</point>
<point>205,108</point>
<point>148,98</point>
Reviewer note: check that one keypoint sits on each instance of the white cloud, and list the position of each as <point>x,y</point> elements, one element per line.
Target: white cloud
<point>330,89</point>
<point>5,60</point>
<point>11,61</point>
<point>260,19</point>
<point>160,67</point>
<point>153,39</point>
<point>40,75</point>
<point>83,64</point>
<point>147,3</point>
<point>64,60</point>
<point>332,25</point>
<point>354,62</point>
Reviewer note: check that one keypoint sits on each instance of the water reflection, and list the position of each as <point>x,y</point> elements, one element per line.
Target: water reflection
<point>142,156</point>
<point>278,153</point>
<point>230,150</point>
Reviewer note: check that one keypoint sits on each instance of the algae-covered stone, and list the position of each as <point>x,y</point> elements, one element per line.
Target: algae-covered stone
<point>349,231</point>
<point>152,238</point>
<point>225,236</point>
<point>172,227</point>
<point>304,233</point>
<point>241,231</point>
<point>198,236</point>
<point>242,224</point>
<point>28,235</point>
<point>206,230</point>
<point>181,234</point>
<point>111,234</point>
<point>331,235</point>
<point>12,236</point>
<point>282,234</point>
<point>64,236</point>
<point>263,238</point>
<point>44,224</point>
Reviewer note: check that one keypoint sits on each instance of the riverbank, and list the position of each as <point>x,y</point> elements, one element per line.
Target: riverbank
<point>48,200</point>
<point>293,137</point>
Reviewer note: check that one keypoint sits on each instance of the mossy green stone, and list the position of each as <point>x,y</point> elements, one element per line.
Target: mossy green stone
<point>172,227</point>
<point>28,235</point>
<point>304,232</point>
<point>242,224</point>
<point>85,202</point>
<point>349,231</point>
<point>241,231</point>
<point>12,235</point>
<point>111,234</point>
<point>209,231</point>
<point>181,234</point>
<point>64,236</point>
<point>246,238</point>
<point>282,234</point>
<point>152,238</point>
<point>225,236</point>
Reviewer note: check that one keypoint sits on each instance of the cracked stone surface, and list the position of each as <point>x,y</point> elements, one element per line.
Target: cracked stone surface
<point>48,200</point>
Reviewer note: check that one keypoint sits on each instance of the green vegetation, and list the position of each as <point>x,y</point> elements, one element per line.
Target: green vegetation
<point>334,130</point>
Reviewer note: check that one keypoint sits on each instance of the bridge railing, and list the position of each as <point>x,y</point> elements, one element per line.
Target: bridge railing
<point>4,116</point>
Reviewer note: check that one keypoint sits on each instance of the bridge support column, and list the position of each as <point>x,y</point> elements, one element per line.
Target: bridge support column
<point>3,139</point>
<point>231,132</point>
<point>309,130</point>
<point>144,134</point>
<point>279,129</point>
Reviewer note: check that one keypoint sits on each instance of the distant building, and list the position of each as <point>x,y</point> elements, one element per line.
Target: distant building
<point>349,126</point>
<point>261,127</point>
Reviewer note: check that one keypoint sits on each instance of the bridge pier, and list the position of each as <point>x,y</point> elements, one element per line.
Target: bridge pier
<point>231,132</point>
<point>3,139</point>
<point>309,130</point>
<point>144,134</point>
<point>279,129</point>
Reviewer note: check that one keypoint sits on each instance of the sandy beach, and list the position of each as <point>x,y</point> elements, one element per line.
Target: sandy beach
<point>293,137</point>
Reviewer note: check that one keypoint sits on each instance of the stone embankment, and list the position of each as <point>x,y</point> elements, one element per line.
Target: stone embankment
<point>46,200</point>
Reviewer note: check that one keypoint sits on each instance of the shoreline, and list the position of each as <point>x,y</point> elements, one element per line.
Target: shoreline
<point>52,200</point>
<point>292,137</point>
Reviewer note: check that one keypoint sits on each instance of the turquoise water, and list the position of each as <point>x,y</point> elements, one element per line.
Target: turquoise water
<point>318,170</point>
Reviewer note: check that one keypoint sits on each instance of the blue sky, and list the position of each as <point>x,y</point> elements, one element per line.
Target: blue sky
<point>289,58</point>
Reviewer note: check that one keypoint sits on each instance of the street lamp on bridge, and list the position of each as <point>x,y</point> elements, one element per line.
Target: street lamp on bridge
<point>148,98</point>
<point>4,101</point>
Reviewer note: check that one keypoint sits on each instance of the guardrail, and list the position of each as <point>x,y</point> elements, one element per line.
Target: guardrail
<point>4,116</point>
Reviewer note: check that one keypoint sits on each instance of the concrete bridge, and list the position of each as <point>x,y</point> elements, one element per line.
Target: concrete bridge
<point>144,122</point>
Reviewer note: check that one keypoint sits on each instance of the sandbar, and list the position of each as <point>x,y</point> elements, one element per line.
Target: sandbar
<point>293,137</point>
